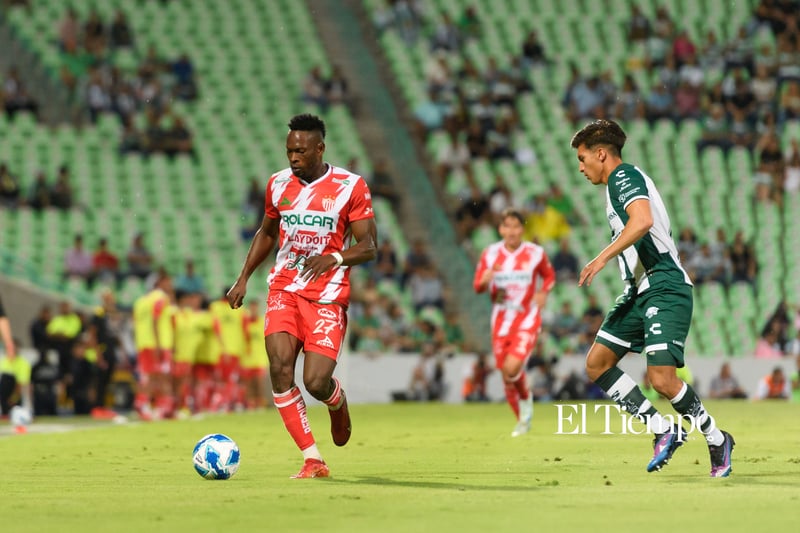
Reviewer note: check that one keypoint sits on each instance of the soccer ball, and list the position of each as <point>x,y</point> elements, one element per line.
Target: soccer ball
<point>216,456</point>
<point>20,416</point>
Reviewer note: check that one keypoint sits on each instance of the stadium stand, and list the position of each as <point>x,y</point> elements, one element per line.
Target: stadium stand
<point>704,190</point>
<point>185,208</point>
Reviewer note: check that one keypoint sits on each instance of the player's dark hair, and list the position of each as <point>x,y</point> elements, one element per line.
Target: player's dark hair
<point>512,213</point>
<point>307,122</point>
<point>605,132</point>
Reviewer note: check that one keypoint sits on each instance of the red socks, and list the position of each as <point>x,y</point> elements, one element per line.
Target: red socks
<point>335,400</point>
<point>292,408</point>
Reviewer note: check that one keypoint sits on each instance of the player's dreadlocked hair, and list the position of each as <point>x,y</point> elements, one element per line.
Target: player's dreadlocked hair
<point>606,132</point>
<point>307,122</point>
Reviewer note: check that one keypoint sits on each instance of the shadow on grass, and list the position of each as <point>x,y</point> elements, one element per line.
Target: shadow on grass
<point>447,485</point>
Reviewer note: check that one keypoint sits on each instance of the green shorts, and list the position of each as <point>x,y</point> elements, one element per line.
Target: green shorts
<point>656,321</point>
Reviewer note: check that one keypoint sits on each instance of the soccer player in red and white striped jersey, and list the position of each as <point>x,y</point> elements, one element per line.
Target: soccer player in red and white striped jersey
<point>313,211</point>
<point>518,276</point>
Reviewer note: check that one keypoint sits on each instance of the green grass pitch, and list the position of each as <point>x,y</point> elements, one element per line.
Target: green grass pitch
<point>408,467</point>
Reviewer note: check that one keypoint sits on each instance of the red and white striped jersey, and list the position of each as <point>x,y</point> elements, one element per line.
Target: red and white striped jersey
<point>315,220</point>
<point>520,274</point>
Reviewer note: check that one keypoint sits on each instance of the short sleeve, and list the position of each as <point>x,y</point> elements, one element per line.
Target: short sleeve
<point>270,209</point>
<point>625,185</point>
<point>360,202</point>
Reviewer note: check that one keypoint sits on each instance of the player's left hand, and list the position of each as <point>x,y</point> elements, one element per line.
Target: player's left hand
<point>590,270</point>
<point>317,265</point>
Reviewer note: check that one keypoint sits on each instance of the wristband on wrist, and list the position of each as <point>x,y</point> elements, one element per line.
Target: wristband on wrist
<point>338,257</point>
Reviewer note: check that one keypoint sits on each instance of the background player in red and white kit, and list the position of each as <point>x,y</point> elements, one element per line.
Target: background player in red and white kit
<point>313,210</point>
<point>518,276</point>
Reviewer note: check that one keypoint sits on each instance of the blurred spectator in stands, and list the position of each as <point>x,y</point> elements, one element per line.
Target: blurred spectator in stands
<point>659,103</point>
<point>499,140</point>
<point>687,101</point>
<point>500,198</point>
<point>336,87</point>
<point>365,335</point>
<point>565,262</point>
<point>541,372</point>
<point>742,102</point>
<point>105,265</point>
<point>190,281</point>
<point>768,345</point>
<point>77,261</point>
<point>584,98</point>
<point>563,204</point>
<point>9,188</point>
<point>743,260</point>
<point>453,156</point>
<point>454,339</point>
<point>712,55</point>
<point>716,130</point>
<point>592,316</point>
<point>429,115</point>
<point>719,246</point>
<point>781,320</point>
<point>704,267</point>
<point>132,140</point>
<point>629,103</point>
<point>185,84</point>
<point>314,89</point>
<point>404,16</point>
<point>683,48</point>
<point>638,25</point>
<point>39,195</point>
<point>774,386</point>
<point>381,184</point>
<point>417,258</point>
<point>788,59</point>
<point>154,137</point>
<point>85,353</point>
<point>791,182</point>
<point>474,387</point>
<point>395,328</point>
<point>532,50</point>
<point>61,192</point>
<point>15,96</point>
<point>739,52</point>
<point>789,105</point>
<point>725,385</point>
<point>471,211</point>
<point>763,88</point>
<point>565,326</point>
<point>427,377</point>
<point>120,34</point>
<point>687,244</point>
<point>44,380</point>
<point>140,260</point>
<point>793,347</point>
<point>438,75</point>
<point>105,320</point>
<point>98,99</point>
<point>469,23</point>
<point>544,223</point>
<point>38,332</point>
<point>178,139</point>
<point>386,265</point>
<point>69,30</point>
<point>94,34</point>
<point>446,35</point>
<point>770,173</point>
<point>426,288</point>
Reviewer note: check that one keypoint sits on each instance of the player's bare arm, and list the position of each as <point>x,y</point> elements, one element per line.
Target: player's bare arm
<point>639,223</point>
<point>365,249</point>
<point>262,244</point>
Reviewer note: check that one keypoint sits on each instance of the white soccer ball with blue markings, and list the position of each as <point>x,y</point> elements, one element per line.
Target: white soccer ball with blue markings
<point>216,456</point>
<point>20,416</point>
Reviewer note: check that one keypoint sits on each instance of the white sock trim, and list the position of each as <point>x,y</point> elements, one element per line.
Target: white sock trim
<point>678,397</point>
<point>621,388</point>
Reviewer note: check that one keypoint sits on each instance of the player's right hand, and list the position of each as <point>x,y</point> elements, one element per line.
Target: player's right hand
<point>236,294</point>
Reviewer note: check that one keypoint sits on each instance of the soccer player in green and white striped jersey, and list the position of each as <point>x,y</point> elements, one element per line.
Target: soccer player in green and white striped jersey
<point>655,310</point>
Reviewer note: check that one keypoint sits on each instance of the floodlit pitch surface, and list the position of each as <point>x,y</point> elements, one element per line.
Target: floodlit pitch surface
<point>408,467</point>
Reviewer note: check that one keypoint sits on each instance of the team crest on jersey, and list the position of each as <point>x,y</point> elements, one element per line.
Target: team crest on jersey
<point>328,202</point>
<point>651,312</point>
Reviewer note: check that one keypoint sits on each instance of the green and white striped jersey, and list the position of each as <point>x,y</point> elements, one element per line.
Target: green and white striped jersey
<point>654,257</point>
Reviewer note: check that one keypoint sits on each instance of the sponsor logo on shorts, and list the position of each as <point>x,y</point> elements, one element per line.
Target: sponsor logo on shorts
<point>327,313</point>
<point>677,343</point>
<point>275,303</point>
<point>326,342</point>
